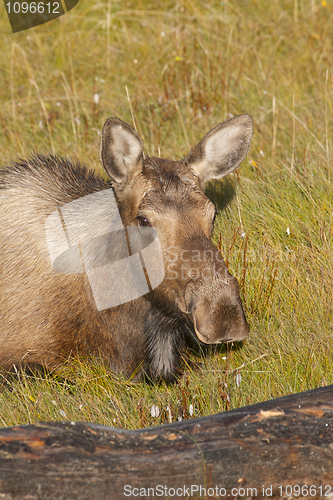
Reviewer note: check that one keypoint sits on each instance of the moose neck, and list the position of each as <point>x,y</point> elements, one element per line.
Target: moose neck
<point>165,344</point>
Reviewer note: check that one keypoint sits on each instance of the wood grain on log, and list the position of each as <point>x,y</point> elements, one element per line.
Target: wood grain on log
<point>278,444</point>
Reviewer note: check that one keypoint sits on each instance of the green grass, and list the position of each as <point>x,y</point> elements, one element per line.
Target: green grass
<point>183,68</point>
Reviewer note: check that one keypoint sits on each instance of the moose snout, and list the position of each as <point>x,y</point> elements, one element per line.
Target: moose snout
<point>218,318</point>
<point>225,324</point>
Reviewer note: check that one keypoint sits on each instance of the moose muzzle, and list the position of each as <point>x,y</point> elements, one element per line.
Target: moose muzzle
<point>216,310</point>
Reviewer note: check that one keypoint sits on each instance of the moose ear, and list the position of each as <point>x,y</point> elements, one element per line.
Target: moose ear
<point>222,150</point>
<point>121,150</point>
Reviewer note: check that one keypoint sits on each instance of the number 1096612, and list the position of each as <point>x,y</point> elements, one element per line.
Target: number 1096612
<point>305,491</point>
<point>33,7</point>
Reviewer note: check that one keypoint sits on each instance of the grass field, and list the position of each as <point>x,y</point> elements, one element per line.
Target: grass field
<point>179,69</point>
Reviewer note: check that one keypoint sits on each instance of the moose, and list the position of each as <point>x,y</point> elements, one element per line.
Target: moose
<point>49,314</point>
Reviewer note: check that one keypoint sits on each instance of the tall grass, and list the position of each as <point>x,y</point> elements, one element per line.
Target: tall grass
<point>178,69</point>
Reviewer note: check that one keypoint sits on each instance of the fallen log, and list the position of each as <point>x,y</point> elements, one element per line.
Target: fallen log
<point>280,448</point>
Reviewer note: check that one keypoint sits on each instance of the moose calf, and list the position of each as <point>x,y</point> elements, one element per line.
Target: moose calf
<point>76,279</point>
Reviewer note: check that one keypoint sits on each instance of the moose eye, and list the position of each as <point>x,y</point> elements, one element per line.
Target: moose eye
<point>143,221</point>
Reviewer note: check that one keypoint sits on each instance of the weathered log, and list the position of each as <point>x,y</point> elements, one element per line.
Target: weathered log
<point>271,449</point>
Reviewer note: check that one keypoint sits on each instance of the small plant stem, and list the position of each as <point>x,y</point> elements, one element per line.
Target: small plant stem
<point>12,83</point>
<point>67,91</point>
<point>326,116</point>
<point>293,149</point>
<point>182,123</point>
<point>295,11</point>
<point>227,74</point>
<point>108,28</point>
<point>45,114</point>
<point>274,127</point>
<point>131,109</point>
<point>313,7</point>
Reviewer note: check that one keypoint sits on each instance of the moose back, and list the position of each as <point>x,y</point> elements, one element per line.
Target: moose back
<point>123,269</point>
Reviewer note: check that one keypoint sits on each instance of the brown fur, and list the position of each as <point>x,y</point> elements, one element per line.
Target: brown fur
<point>47,316</point>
